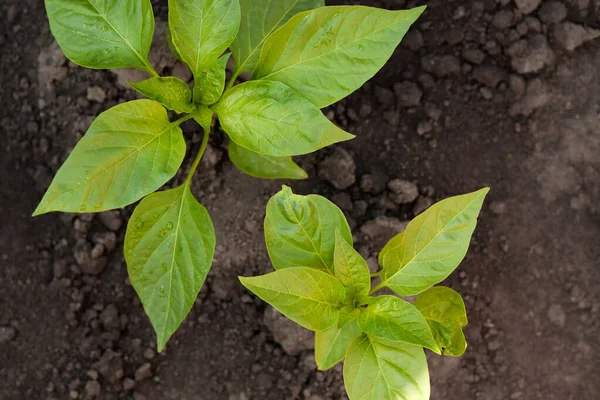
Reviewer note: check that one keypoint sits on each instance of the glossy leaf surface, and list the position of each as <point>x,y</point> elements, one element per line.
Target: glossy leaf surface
<point>201,30</point>
<point>388,317</point>
<point>385,370</point>
<point>328,53</point>
<point>272,119</point>
<point>103,33</point>
<point>433,245</point>
<point>300,230</point>
<point>331,345</point>
<point>169,247</point>
<point>128,152</point>
<point>211,81</point>
<point>445,312</point>
<point>260,18</point>
<point>351,269</point>
<point>171,92</point>
<point>307,296</point>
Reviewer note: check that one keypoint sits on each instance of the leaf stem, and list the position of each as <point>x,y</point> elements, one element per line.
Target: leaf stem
<point>233,79</point>
<point>203,146</point>
<point>376,288</point>
<point>150,69</point>
<point>376,274</point>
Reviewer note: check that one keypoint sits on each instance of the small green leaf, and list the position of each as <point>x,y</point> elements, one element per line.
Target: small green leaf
<point>103,33</point>
<point>211,82</point>
<point>271,118</point>
<point>328,53</point>
<point>260,18</point>
<point>171,92</point>
<point>351,269</point>
<point>202,30</point>
<point>385,370</point>
<point>432,246</point>
<point>300,230</point>
<point>309,297</point>
<point>266,167</point>
<point>445,312</point>
<point>203,116</point>
<point>169,247</point>
<point>331,345</point>
<point>128,152</point>
<point>388,317</point>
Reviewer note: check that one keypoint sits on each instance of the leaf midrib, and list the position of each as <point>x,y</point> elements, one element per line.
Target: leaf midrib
<point>264,39</point>
<point>327,53</point>
<point>431,241</point>
<point>138,55</point>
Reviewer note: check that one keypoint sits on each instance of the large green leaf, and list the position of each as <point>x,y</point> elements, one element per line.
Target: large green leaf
<point>260,18</point>
<point>211,82</point>
<point>351,269</point>
<point>388,317</point>
<point>378,369</point>
<point>201,30</point>
<point>103,33</point>
<point>266,167</point>
<point>331,345</point>
<point>328,53</point>
<point>307,296</point>
<point>433,245</point>
<point>129,151</point>
<point>169,248</point>
<point>445,312</point>
<point>300,230</point>
<point>171,92</point>
<point>270,118</point>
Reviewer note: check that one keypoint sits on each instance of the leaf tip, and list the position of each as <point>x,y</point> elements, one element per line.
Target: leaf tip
<point>39,210</point>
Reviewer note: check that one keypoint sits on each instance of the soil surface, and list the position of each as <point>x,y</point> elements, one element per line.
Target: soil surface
<point>496,93</point>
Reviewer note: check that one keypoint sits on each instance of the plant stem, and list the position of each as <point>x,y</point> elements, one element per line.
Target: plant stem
<point>150,69</point>
<point>376,288</point>
<point>203,146</point>
<point>233,79</point>
<point>376,274</point>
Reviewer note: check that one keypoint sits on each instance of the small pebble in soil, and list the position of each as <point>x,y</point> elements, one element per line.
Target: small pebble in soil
<point>7,334</point>
<point>338,169</point>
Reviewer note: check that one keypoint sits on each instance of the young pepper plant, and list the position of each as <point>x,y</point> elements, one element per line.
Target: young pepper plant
<point>322,283</point>
<point>302,57</point>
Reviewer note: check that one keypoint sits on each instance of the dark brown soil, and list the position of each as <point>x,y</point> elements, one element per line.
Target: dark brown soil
<point>503,99</point>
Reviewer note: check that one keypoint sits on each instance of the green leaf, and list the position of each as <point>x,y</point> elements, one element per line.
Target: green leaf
<point>445,312</point>
<point>300,230</point>
<point>202,30</point>
<point>328,53</point>
<point>309,297</point>
<point>385,370</point>
<point>211,82</point>
<point>266,167</point>
<point>388,317</point>
<point>389,246</point>
<point>171,92</point>
<point>432,246</point>
<point>172,46</point>
<point>271,118</point>
<point>129,151</point>
<point>103,33</point>
<point>351,269</point>
<point>203,116</point>
<point>331,345</point>
<point>169,247</point>
<point>260,18</point>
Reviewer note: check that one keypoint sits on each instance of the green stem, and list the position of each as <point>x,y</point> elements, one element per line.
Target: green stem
<point>233,79</point>
<point>376,288</point>
<point>183,119</point>
<point>203,146</point>
<point>150,69</point>
<point>376,274</point>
